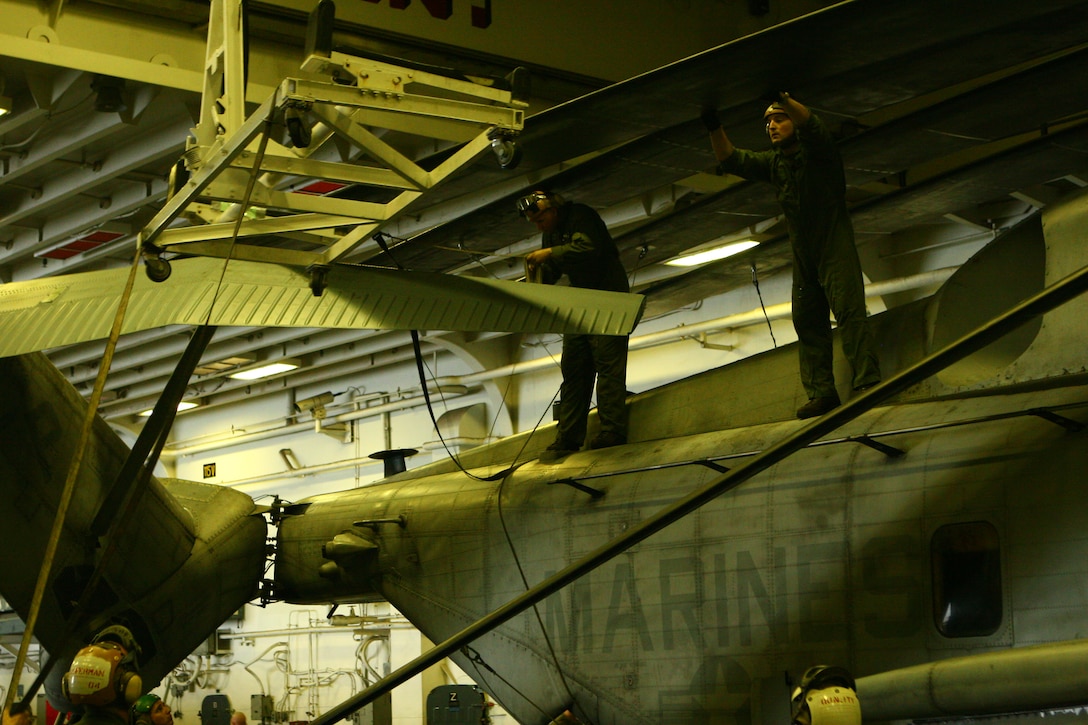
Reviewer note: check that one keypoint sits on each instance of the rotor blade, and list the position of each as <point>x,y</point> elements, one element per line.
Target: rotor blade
<point>57,311</point>
<point>145,452</point>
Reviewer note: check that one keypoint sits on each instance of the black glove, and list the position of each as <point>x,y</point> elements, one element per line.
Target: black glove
<point>769,97</point>
<point>709,117</point>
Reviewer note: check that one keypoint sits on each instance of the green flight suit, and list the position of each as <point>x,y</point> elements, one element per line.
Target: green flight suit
<point>583,250</point>
<point>811,187</point>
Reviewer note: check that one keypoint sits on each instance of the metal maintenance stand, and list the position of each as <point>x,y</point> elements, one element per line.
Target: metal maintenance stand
<point>252,187</point>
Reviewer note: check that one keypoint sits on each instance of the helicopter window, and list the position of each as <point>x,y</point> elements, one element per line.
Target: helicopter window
<point>966,562</point>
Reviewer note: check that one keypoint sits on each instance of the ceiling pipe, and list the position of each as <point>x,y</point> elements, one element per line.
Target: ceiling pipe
<point>156,356</point>
<point>740,319</point>
<point>240,344</point>
<point>361,463</point>
<point>90,353</point>
<point>344,361</point>
<point>184,448</point>
<point>785,309</point>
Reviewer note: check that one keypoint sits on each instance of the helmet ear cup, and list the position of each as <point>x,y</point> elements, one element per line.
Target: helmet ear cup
<point>130,687</point>
<point>797,704</point>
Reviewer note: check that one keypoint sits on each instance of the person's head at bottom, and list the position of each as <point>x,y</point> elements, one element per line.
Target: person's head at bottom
<point>151,710</point>
<point>826,696</point>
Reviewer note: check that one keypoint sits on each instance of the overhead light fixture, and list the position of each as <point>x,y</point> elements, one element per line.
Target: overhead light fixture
<point>5,105</point>
<point>266,371</point>
<point>221,366</point>
<point>712,255</point>
<point>183,405</point>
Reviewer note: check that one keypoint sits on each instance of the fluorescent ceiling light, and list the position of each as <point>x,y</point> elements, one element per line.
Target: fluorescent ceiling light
<point>183,405</point>
<point>265,371</point>
<point>712,255</point>
<point>221,366</point>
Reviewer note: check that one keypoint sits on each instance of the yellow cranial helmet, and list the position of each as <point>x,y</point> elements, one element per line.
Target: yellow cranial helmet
<point>774,108</point>
<point>826,696</point>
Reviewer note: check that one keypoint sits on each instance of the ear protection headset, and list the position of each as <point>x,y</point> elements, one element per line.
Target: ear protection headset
<point>534,202</point>
<point>827,695</point>
<point>105,671</point>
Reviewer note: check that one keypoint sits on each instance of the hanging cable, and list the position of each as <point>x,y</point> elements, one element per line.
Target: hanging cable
<point>755,283</point>
<point>417,350</point>
<point>525,583</point>
<point>525,443</point>
<point>242,212</point>
<point>505,394</point>
<point>642,252</point>
<point>475,658</point>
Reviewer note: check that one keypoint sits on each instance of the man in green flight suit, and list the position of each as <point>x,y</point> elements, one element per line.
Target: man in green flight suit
<point>576,242</point>
<point>807,172</point>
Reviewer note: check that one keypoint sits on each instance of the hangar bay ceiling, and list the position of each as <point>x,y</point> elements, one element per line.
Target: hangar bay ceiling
<point>956,121</point>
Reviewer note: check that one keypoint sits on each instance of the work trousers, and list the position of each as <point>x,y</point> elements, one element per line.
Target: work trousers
<point>838,288</point>
<point>586,357</point>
